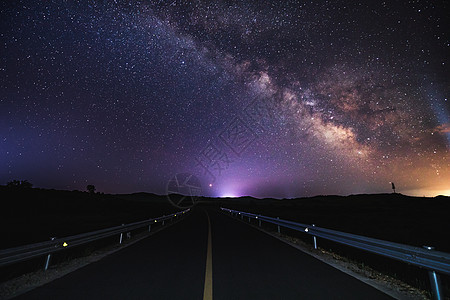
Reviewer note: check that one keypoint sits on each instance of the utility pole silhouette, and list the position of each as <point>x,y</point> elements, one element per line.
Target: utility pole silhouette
<point>393,186</point>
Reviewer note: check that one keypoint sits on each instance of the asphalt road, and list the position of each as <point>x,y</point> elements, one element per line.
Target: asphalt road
<point>246,264</point>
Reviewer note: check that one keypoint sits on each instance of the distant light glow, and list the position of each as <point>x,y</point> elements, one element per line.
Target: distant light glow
<point>229,196</point>
<point>427,192</point>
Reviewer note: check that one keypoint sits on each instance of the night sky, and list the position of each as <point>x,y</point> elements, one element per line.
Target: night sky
<point>262,98</point>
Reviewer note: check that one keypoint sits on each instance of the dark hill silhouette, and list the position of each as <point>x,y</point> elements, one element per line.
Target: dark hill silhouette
<point>35,215</point>
<point>405,219</point>
<point>143,196</point>
<point>32,215</point>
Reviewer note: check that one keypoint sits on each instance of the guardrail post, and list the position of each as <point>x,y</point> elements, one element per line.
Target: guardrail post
<point>47,262</point>
<point>259,222</point>
<point>242,217</point>
<point>314,239</point>
<point>49,256</point>
<point>278,226</point>
<point>121,236</point>
<point>435,281</point>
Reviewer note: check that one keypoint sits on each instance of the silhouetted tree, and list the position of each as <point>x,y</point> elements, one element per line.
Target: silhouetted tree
<point>13,184</point>
<point>19,184</point>
<point>91,188</point>
<point>393,186</point>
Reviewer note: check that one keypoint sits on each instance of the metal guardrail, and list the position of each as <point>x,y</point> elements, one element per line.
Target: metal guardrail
<point>22,253</point>
<point>425,257</point>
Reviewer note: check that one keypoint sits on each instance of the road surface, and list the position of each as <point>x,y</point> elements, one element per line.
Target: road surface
<point>186,261</point>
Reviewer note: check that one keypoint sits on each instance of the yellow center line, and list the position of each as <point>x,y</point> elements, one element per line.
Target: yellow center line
<point>207,292</point>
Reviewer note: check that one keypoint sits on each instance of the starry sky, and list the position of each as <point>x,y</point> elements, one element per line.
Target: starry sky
<point>263,98</point>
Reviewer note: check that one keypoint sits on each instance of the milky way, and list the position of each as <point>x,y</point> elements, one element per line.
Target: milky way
<point>282,99</point>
